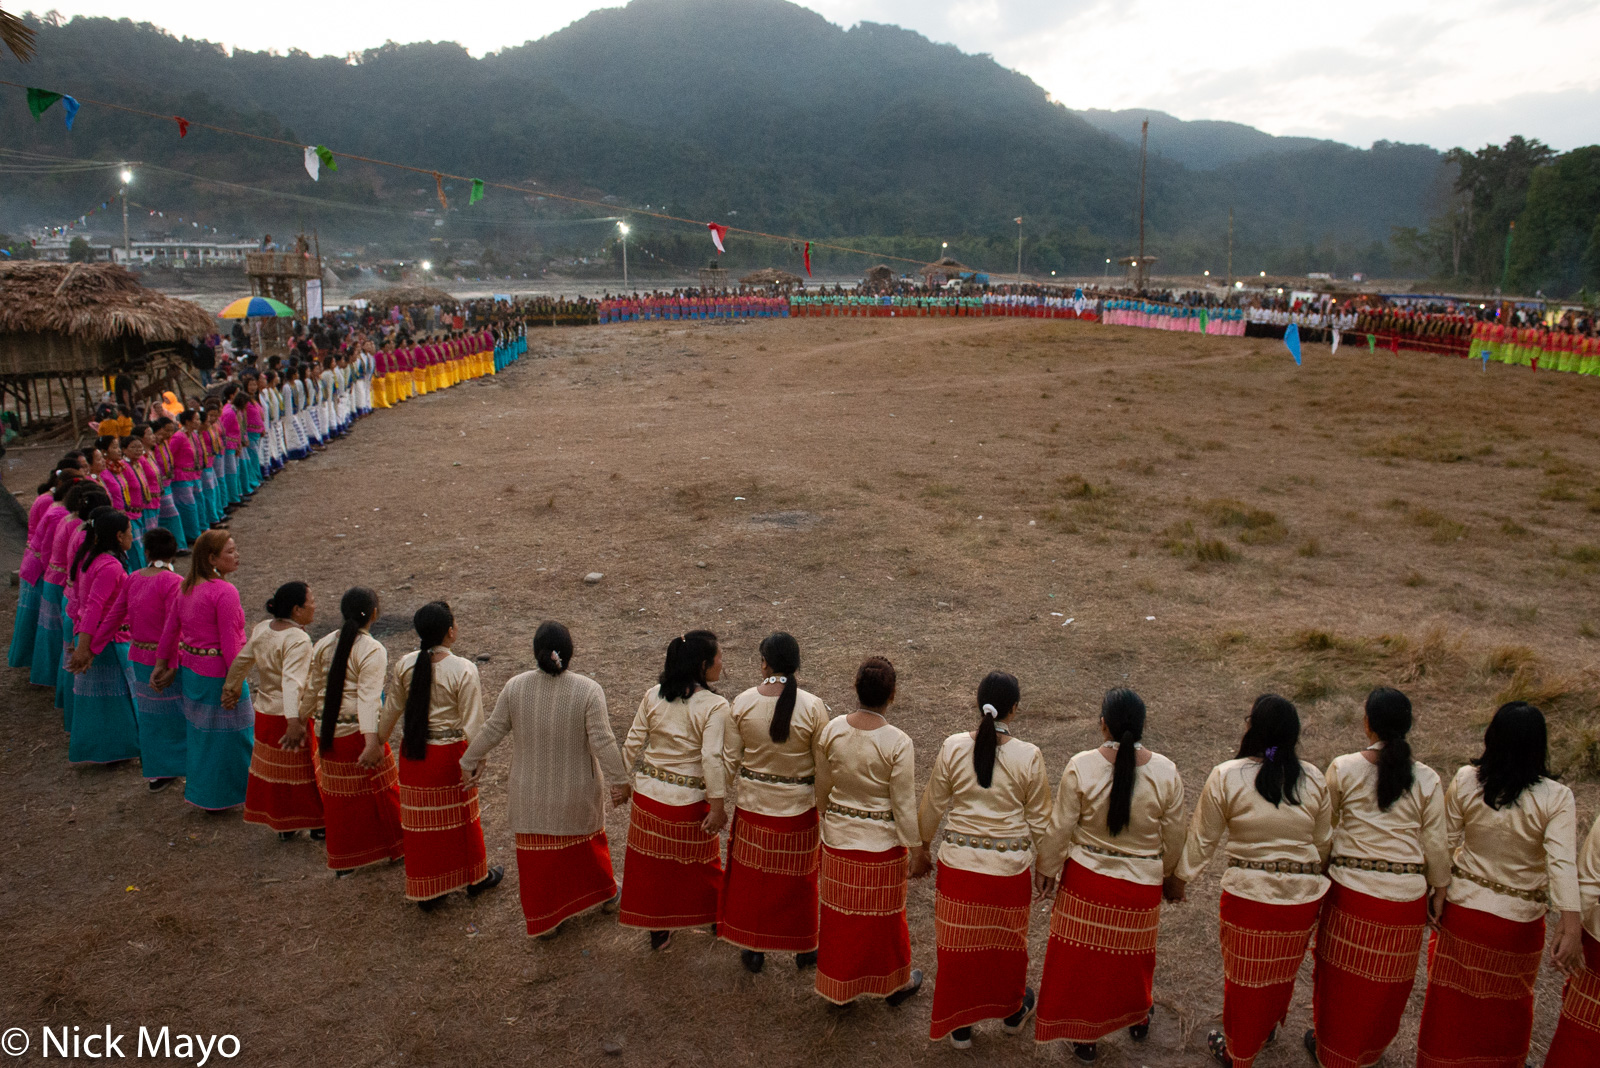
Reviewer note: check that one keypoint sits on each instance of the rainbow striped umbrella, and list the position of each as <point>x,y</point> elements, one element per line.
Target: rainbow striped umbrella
<point>257,308</point>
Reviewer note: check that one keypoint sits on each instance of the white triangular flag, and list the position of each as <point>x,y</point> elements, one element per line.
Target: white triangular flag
<point>313,164</point>
<point>1336,335</point>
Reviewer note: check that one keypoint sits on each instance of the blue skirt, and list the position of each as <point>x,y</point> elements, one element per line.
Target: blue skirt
<point>104,728</point>
<point>232,491</point>
<point>69,640</point>
<point>163,732</point>
<point>47,638</point>
<point>20,654</point>
<point>219,741</point>
<point>186,499</point>
<point>133,560</point>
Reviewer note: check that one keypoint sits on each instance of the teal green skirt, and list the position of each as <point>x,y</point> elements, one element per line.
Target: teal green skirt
<point>220,740</point>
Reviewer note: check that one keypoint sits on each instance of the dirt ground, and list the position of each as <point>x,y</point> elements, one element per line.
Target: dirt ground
<point>1084,506</point>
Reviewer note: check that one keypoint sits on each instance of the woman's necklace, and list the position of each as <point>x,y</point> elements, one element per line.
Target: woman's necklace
<point>775,680</point>
<point>1001,728</point>
<point>162,565</point>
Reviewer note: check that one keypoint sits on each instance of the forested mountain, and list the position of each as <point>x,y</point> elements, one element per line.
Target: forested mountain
<point>1200,144</point>
<point>758,113</point>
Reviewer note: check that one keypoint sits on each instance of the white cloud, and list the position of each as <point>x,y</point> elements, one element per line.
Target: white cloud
<point>1440,72</point>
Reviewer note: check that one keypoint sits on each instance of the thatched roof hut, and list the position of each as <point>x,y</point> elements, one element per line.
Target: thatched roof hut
<point>405,294</point>
<point>879,275</point>
<point>771,276</point>
<point>945,268</point>
<point>85,318</point>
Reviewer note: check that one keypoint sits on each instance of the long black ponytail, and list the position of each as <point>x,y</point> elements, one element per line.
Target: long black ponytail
<point>1273,734</point>
<point>102,529</point>
<point>357,606</point>
<point>1122,711</point>
<point>998,695</point>
<point>1389,717</point>
<point>432,622</point>
<point>782,654</point>
<point>69,462</point>
<point>688,656</point>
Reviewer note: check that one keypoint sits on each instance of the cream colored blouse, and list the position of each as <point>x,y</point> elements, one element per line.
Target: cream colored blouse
<point>1275,852</point>
<point>1149,846</point>
<point>363,684</point>
<point>1505,859</point>
<point>675,748</point>
<point>455,701</point>
<point>773,778</point>
<point>1410,833</point>
<point>281,659</point>
<point>866,787</point>
<point>1589,881</point>
<point>993,830</point>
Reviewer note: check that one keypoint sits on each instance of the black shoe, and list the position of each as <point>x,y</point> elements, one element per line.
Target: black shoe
<point>753,962</point>
<point>157,785</point>
<point>550,935</point>
<point>660,940</point>
<point>907,991</point>
<point>1085,1051</point>
<point>1014,1022</point>
<point>342,872</point>
<point>285,836</point>
<point>961,1038</point>
<point>1141,1031</point>
<point>1218,1045</point>
<point>1311,1042</point>
<point>319,834</point>
<point>432,903</point>
<point>488,882</point>
<point>805,960</point>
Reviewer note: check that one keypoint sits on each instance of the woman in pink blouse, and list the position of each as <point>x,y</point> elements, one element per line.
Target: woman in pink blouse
<point>46,511</point>
<point>126,492</point>
<point>203,634</point>
<point>104,730</point>
<point>142,608</point>
<point>187,487</point>
<point>64,547</point>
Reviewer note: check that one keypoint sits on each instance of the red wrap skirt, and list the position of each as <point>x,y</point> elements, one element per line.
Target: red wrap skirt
<point>981,925</point>
<point>863,941</point>
<point>1100,963</point>
<point>281,791</point>
<point>439,820</point>
<point>1577,1040</point>
<point>1478,1011</point>
<point>361,805</point>
<point>561,875</point>
<point>1364,966</point>
<point>769,895</point>
<point>1263,947</point>
<point>672,869</point>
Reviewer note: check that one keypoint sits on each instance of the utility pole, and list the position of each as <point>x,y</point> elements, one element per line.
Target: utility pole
<point>127,249</point>
<point>622,227</point>
<point>1230,247</point>
<point>1144,140</point>
<point>1019,250</point>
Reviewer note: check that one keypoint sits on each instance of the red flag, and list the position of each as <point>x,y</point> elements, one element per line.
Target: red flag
<point>808,259</point>
<point>718,232</point>
<point>183,125</point>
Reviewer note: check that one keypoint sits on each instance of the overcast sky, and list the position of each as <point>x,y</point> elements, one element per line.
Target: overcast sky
<point>1464,72</point>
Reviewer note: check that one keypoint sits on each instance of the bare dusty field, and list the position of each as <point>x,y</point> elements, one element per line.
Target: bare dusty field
<point>1084,506</point>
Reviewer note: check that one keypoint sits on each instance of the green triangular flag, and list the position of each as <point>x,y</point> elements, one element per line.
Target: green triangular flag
<point>477,192</point>
<point>1372,343</point>
<point>39,101</point>
<point>1205,320</point>
<point>326,158</point>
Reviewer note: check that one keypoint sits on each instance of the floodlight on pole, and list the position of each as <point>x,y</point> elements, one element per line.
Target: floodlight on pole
<point>622,228</point>
<point>127,249</point>
<point>427,265</point>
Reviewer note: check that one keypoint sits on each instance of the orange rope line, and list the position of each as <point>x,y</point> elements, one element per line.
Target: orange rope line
<point>465,178</point>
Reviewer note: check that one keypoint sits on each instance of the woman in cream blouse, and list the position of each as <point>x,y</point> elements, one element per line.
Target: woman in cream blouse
<point>1388,848</point>
<point>996,793</point>
<point>1273,808</point>
<point>438,696</point>
<point>564,757</point>
<point>866,791</point>
<point>356,773</point>
<point>672,869</point>
<point>1578,1034</point>
<point>1513,832</point>
<point>769,900</point>
<point>1117,825</point>
<point>282,789</point>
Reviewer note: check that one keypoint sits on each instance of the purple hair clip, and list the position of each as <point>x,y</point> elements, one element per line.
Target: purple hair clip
<point>1272,752</point>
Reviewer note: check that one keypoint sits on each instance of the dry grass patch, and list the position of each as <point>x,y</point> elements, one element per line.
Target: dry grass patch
<point>1445,448</point>
<point>1255,526</point>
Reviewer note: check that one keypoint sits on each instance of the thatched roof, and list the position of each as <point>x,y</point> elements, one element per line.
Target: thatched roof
<point>880,273</point>
<point>92,302</point>
<point>948,266</point>
<point>405,294</point>
<point>770,276</point>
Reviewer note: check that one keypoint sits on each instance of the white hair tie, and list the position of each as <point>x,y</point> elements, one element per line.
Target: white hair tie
<point>991,711</point>
<point>555,657</point>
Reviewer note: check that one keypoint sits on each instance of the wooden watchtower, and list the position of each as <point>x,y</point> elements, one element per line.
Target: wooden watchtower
<point>283,275</point>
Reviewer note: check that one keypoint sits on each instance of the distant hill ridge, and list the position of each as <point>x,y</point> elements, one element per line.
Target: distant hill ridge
<point>757,112</point>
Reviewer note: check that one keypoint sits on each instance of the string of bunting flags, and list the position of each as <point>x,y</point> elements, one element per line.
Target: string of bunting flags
<point>316,158</point>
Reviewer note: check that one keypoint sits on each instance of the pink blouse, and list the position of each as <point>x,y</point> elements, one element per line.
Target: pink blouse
<point>185,466</point>
<point>99,586</point>
<point>143,605</point>
<point>144,475</point>
<point>42,518</point>
<point>254,421</point>
<point>230,426</point>
<point>205,629</point>
<point>59,556</point>
<point>74,541</point>
<point>124,490</point>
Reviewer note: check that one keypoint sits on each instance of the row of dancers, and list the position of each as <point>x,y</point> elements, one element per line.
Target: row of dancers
<point>1368,856</point>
